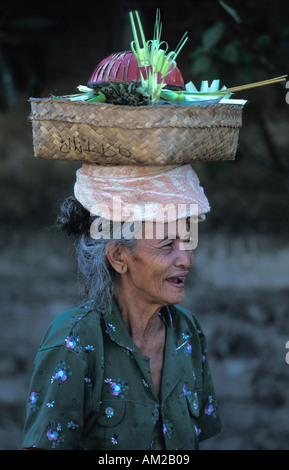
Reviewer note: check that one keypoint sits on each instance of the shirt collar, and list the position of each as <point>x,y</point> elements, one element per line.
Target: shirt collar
<point>116,329</point>
<point>178,342</point>
<point>118,332</point>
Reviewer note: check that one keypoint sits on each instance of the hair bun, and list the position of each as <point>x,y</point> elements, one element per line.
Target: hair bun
<point>73,217</point>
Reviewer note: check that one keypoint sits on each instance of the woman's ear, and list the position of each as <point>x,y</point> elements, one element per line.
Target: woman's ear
<point>116,254</point>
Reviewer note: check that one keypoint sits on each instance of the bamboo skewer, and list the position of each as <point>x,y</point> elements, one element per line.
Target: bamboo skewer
<point>256,84</point>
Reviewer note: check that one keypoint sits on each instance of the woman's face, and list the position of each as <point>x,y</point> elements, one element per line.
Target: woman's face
<point>158,267</point>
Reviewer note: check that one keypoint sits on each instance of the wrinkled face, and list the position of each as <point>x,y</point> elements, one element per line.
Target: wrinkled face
<point>158,268</point>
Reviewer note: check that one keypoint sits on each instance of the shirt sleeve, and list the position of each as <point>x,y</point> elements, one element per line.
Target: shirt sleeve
<point>56,400</point>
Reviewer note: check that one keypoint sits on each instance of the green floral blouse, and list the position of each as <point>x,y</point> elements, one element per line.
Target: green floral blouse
<point>92,389</point>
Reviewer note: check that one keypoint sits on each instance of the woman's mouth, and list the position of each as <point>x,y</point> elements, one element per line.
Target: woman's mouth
<point>177,281</point>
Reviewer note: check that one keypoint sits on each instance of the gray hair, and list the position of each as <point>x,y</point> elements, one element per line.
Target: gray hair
<point>94,269</point>
<point>95,273</point>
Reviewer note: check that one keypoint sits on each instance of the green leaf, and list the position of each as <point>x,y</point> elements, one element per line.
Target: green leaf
<point>231,11</point>
<point>100,98</point>
<point>196,52</point>
<point>230,53</point>
<point>202,65</point>
<point>264,40</point>
<point>213,35</point>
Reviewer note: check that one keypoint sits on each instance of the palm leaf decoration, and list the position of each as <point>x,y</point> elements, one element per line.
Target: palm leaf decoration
<point>153,57</point>
<point>155,63</point>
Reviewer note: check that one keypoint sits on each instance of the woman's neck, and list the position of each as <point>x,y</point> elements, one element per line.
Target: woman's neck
<point>148,332</point>
<point>141,319</point>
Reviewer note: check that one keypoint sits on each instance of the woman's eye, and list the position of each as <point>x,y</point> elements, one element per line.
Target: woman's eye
<point>168,244</point>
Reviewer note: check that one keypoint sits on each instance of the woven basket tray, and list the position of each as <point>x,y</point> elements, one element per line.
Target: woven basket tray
<point>147,135</point>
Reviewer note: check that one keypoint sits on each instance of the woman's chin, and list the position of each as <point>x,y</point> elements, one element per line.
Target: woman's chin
<point>175,293</point>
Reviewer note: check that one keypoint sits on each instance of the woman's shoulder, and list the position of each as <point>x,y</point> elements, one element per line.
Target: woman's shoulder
<point>69,327</point>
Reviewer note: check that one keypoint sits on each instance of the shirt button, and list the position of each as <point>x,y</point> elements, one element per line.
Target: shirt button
<point>109,411</point>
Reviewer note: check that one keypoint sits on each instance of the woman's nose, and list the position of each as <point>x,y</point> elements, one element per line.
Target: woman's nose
<point>184,256</point>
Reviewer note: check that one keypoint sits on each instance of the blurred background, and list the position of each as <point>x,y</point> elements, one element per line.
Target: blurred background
<point>239,289</point>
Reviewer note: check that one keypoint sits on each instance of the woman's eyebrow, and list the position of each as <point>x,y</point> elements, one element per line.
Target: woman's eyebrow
<point>174,237</point>
<point>163,240</point>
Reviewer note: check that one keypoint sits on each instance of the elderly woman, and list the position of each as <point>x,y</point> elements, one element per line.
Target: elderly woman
<point>128,369</point>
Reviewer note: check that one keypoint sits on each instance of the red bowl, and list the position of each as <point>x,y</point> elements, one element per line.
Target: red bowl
<point>123,66</point>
